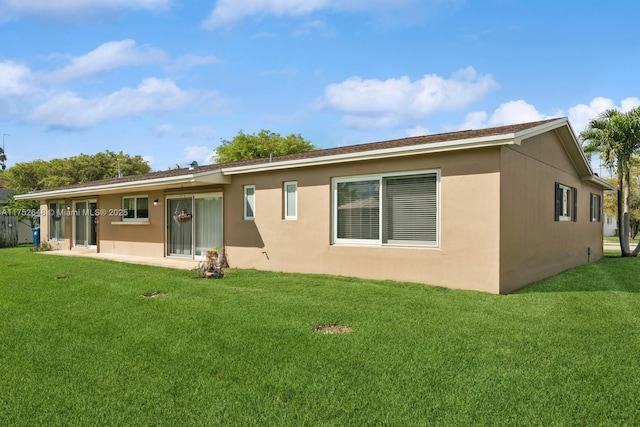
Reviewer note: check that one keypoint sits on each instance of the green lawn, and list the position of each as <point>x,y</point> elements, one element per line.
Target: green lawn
<point>79,345</point>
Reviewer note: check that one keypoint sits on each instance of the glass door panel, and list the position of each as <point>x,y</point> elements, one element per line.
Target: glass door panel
<point>179,233</point>
<point>91,219</point>
<point>80,224</point>
<point>207,223</point>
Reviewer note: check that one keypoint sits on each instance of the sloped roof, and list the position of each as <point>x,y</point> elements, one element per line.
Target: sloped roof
<point>219,173</point>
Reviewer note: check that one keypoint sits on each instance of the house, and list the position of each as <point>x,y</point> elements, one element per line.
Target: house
<point>488,210</point>
<point>610,225</point>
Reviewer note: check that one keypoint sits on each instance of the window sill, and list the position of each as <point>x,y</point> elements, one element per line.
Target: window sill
<point>130,223</point>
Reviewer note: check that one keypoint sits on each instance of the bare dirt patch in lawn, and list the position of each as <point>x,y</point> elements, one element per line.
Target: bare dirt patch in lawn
<point>331,329</point>
<point>154,294</point>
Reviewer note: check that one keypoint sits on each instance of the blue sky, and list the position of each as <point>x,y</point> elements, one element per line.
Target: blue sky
<point>168,79</point>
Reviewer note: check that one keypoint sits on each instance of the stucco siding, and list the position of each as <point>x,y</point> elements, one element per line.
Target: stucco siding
<point>533,244</point>
<point>467,256</point>
<point>114,236</point>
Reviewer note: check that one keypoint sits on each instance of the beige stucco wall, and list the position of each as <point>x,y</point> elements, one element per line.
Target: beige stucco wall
<point>534,245</point>
<point>115,236</point>
<point>467,256</point>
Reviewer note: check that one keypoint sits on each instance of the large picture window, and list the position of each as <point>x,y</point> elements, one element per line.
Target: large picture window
<point>387,209</point>
<point>56,220</point>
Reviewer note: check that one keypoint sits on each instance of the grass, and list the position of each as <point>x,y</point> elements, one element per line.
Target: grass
<point>79,345</point>
<point>615,240</point>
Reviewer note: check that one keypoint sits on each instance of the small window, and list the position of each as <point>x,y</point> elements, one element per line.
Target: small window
<point>249,202</point>
<point>290,200</point>
<point>566,203</point>
<point>596,206</point>
<point>135,208</point>
<point>56,220</point>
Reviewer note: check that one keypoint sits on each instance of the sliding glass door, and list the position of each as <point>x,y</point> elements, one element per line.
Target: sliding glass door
<point>84,224</point>
<point>194,224</point>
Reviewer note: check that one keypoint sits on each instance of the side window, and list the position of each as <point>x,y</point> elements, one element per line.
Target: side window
<point>566,200</point>
<point>596,207</point>
<point>290,196</point>
<point>249,202</point>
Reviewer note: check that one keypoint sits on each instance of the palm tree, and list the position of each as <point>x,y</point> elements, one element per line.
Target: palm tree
<point>616,136</point>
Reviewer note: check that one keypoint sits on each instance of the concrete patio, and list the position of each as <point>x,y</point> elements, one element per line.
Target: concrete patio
<point>178,263</point>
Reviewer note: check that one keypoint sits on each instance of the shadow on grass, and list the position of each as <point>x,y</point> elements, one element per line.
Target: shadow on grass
<point>610,274</point>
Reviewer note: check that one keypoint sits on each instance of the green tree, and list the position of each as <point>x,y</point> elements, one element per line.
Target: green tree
<point>616,136</point>
<point>611,200</point>
<point>261,145</point>
<point>40,174</point>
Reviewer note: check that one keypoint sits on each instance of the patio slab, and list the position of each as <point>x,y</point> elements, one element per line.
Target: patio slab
<point>177,263</point>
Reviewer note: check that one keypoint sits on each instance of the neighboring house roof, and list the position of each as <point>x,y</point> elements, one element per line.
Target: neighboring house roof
<point>220,173</point>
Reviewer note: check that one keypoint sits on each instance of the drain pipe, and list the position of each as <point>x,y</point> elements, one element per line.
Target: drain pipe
<point>588,255</point>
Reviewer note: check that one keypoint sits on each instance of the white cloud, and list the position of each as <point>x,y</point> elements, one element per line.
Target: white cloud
<point>521,112</point>
<point>395,101</point>
<point>628,104</point>
<point>106,57</point>
<point>68,110</point>
<point>74,8</point>
<point>16,79</point>
<point>513,112</point>
<point>199,153</point>
<point>580,115</point>
<point>229,12</point>
<point>475,120</point>
<point>508,113</point>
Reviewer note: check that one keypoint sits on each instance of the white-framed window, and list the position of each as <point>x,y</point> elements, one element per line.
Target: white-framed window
<point>290,198</point>
<point>595,208</point>
<point>249,202</point>
<point>566,199</point>
<point>135,208</point>
<point>387,209</point>
<point>56,220</point>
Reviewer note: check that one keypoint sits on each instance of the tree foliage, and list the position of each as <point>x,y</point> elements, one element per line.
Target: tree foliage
<point>611,201</point>
<point>616,136</point>
<point>261,145</point>
<point>40,174</point>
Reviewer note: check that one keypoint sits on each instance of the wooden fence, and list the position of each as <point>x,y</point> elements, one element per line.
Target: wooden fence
<point>8,231</point>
